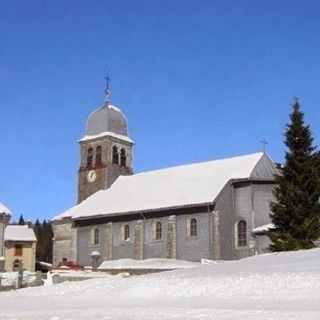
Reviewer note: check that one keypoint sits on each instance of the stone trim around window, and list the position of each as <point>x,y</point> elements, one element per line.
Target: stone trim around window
<point>189,227</point>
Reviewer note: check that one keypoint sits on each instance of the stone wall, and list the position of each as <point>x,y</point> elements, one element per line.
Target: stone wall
<point>174,243</point>
<point>62,242</point>
<point>193,248</point>
<point>4,220</point>
<point>28,257</point>
<point>216,233</point>
<point>252,204</point>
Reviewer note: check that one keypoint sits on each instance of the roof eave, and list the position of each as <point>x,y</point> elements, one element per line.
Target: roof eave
<point>104,215</point>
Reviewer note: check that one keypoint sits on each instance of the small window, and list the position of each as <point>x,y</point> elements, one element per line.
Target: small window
<point>96,236</point>
<point>158,234</point>
<point>242,233</point>
<point>90,157</point>
<point>193,227</point>
<point>115,155</point>
<point>98,155</point>
<point>126,232</point>
<point>18,250</point>
<point>123,158</point>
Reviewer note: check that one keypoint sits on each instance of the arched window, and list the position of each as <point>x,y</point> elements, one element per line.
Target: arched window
<point>98,155</point>
<point>115,155</point>
<point>158,230</point>
<point>126,232</point>
<point>90,157</point>
<point>123,158</point>
<point>96,236</point>
<point>193,227</point>
<point>242,233</point>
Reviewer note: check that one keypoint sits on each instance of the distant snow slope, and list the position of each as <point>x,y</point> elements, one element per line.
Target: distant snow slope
<point>273,287</point>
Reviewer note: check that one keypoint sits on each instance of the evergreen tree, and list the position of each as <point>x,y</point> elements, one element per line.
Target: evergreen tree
<point>296,209</point>
<point>44,234</point>
<point>48,243</point>
<point>38,232</point>
<point>21,220</point>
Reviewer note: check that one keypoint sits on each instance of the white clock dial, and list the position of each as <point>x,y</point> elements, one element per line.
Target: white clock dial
<point>91,177</point>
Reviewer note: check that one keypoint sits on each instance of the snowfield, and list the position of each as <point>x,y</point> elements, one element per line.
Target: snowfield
<point>268,287</point>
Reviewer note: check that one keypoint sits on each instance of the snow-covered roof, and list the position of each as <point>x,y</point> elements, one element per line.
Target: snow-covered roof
<point>264,228</point>
<point>108,118</point>
<point>174,187</point>
<point>106,134</point>
<point>19,233</point>
<point>4,209</point>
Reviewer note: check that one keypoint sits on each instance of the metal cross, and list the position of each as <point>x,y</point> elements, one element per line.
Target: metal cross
<point>264,143</point>
<point>107,90</point>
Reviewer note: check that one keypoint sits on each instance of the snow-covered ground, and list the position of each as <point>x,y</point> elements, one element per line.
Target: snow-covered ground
<point>11,278</point>
<point>273,287</point>
<point>147,264</point>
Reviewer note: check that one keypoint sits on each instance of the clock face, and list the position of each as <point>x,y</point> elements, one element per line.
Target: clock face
<point>91,177</point>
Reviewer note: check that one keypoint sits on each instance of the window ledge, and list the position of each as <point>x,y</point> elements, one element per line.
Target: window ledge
<point>125,242</point>
<point>193,238</point>
<point>242,247</point>
<point>157,240</point>
<point>94,245</point>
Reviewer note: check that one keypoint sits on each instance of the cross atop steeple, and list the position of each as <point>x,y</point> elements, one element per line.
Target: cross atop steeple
<point>107,90</point>
<point>264,143</point>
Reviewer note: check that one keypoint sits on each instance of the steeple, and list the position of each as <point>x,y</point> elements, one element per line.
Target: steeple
<point>106,148</point>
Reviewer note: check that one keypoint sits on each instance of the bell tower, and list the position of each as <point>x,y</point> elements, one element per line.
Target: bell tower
<point>105,150</point>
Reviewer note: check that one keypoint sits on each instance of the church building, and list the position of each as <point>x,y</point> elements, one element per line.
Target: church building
<point>189,212</point>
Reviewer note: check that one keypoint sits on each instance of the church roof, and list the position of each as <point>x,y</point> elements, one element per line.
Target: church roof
<point>186,185</point>
<point>19,233</point>
<point>4,209</point>
<point>106,120</point>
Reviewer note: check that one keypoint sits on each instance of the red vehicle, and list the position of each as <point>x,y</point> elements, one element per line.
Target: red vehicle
<point>71,265</point>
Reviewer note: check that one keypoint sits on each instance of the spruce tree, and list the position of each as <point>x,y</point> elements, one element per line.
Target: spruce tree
<point>21,220</point>
<point>296,209</point>
<point>38,232</point>
<point>47,241</point>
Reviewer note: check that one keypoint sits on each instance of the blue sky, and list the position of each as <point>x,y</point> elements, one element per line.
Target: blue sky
<point>198,80</point>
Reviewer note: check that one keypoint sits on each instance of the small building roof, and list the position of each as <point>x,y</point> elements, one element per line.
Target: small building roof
<point>4,209</point>
<point>19,233</point>
<point>180,186</point>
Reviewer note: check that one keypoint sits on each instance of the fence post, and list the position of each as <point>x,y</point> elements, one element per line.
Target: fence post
<point>20,276</point>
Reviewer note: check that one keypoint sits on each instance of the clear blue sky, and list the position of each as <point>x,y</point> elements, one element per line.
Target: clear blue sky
<point>198,80</point>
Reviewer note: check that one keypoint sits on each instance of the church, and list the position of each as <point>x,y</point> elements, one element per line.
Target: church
<point>201,210</point>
